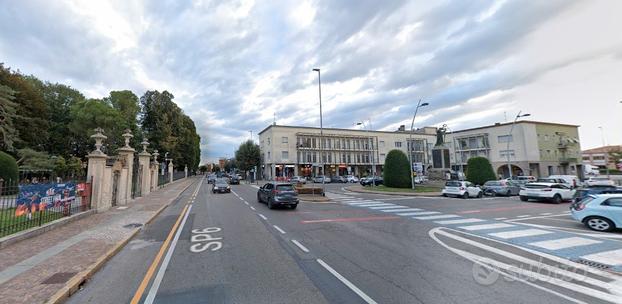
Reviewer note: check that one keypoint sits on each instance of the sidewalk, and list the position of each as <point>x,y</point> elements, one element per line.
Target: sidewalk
<point>47,267</point>
<point>361,189</point>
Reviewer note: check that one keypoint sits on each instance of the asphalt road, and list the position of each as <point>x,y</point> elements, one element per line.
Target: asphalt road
<point>360,248</point>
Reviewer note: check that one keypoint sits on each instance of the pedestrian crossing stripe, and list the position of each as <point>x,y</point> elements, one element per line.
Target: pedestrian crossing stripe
<point>402,210</point>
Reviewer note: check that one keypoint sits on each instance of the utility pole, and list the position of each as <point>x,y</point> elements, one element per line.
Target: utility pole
<point>507,150</point>
<point>410,145</point>
<point>319,84</point>
<point>602,134</point>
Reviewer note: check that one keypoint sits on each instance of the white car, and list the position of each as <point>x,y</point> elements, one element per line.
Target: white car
<point>599,181</point>
<point>553,192</point>
<point>572,181</point>
<point>352,179</point>
<point>298,179</point>
<point>462,189</point>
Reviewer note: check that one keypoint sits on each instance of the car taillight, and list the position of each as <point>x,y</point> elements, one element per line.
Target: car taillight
<point>461,188</point>
<point>275,191</point>
<point>579,206</point>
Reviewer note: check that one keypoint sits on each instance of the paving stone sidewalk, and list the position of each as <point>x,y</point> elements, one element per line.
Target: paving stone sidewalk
<point>36,269</point>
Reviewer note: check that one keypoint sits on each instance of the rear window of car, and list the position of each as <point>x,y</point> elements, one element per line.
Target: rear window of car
<point>535,186</point>
<point>284,188</point>
<point>453,184</point>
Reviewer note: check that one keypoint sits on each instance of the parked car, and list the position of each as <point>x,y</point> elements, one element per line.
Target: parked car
<point>582,193</point>
<point>234,180</point>
<point>599,212</point>
<point>521,180</point>
<point>352,179</point>
<point>298,180</point>
<point>420,179</point>
<point>319,178</point>
<point>221,186</point>
<point>551,180</point>
<point>570,180</point>
<point>500,188</point>
<point>599,181</point>
<point>553,192</point>
<point>278,194</point>
<point>211,178</point>
<point>367,181</point>
<point>462,189</point>
<point>339,179</point>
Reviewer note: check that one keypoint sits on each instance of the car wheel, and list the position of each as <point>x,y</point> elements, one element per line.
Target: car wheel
<point>557,199</point>
<point>444,194</point>
<point>294,206</point>
<point>599,224</point>
<point>270,205</point>
<point>509,193</point>
<point>259,199</point>
<point>524,198</point>
<point>480,194</point>
<point>465,195</point>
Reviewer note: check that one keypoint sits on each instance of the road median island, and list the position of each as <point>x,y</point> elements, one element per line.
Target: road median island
<point>42,261</point>
<point>420,190</point>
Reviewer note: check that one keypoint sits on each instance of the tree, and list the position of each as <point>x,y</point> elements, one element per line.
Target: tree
<point>8,169</point>
<point>247,155</point>
<point>90,114</point>
<point>202,169</point>
<point>31,160</point>
<point>396,171</point>
<point>479,170</point>
<point>8,113</point>
<point>126,103</point>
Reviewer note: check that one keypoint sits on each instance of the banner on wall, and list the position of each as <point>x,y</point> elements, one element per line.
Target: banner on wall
<point>39,197</point>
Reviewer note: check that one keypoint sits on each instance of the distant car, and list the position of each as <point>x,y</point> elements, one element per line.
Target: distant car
<point>599,181</point>
<point>599,212</point>
<point>221,186</point>
<point>319,178</point>
<point>550,180</point>
<point>376,180</point>
<point>521,180</point>
<point>462,189</point>
<point>570,180</point>
<point>582,193</point>
<point>278,194</point>
<point>211,178</point>
<point>298,180</point>
<point>420,179</point>
<point>339,179</point>
<point>234,180</point>
<point>352,179</point>
<point>501,187</point>
<point>553,192</point>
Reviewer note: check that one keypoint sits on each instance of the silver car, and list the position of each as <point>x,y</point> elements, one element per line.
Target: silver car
<point>501,187</point>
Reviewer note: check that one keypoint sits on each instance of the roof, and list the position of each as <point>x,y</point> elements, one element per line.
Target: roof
<point>518,122</point>
<point>604,149</point>
<point>419,131</point>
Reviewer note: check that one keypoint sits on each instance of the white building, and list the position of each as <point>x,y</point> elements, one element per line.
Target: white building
<point>289,150</point>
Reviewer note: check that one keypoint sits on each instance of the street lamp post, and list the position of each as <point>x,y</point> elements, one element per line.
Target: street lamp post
<point>319,85</point>
<point>410,138</point>
<point>602,135</point>
<point>507,150</point>
<point>371,151</point>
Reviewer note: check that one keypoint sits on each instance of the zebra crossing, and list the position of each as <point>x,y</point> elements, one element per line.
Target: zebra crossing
<point>562,244</point>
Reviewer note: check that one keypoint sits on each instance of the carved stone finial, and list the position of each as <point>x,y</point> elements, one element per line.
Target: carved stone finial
<point>155,155</point>
<point>145,143</point>
<point>127,136</point>
<point>99,137</point>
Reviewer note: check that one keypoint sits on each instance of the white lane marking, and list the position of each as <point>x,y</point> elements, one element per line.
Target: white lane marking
<point>462,221</point>
<point>613,257</point>
<point>375,205</point>
<point>512,271</point>
<point>246,203</point>
<point>382,208</point>
<point>436,217</point>
<point>521,216</point>
<point>564,243</point>
<point>402,210</point>
<point>253,208</point>
<point>486,226</point>
<point>262,216</point>
<point>363,203</point>
<point>345,281</point>
<point>255,186</point>
<point>500,218</point>
<point>418,213</point>
<point>279,229</point>
<point>519,233</point>
<point>546,213</point>
<point>302,247</point>
<point>536,217</point>
<point>158,279</point>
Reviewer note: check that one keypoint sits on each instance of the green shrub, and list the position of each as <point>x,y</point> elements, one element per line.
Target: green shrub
<point>479,170</point>
<point>8,168</point>
<point>396,170</point>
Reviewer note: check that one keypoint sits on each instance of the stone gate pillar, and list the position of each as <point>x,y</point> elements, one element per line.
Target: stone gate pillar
<point>127,153</point>
<point>95,170</point>
<point>155,170</point>
<point>170,170</point>
<point>143,162</point>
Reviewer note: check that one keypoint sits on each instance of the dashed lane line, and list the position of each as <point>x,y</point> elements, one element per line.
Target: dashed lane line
<point>262,216</point>
<point>279,229</point>
<point>301,246</point>
<point>345,281</point>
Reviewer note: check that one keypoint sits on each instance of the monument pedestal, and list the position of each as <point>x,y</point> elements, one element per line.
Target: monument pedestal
<point>440,163</point>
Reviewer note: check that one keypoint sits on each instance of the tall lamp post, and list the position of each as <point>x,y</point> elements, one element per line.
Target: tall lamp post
<point>410,138</point>
<point>602,135</point>
<point>371,151</point>
<point>507,149</point>
<point>319,85</point>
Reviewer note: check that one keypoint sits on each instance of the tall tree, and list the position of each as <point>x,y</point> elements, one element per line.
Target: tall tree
<point>8,113</point>
<point>247,155</point>
<point>90,114</point>
<point>126,103</point>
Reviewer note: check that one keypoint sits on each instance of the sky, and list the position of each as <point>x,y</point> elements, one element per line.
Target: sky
<point>235,66</point>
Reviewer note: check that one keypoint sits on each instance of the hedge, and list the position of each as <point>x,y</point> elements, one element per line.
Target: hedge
<point>8,168</point>
<point>479,170</point>
<point>396,170</point>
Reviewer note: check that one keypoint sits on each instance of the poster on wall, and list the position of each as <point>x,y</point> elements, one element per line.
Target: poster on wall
<point>39,197</point>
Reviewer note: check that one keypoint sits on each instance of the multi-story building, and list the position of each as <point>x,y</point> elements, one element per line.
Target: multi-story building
<point>600,157</point>
<point>534,148</point>
<point>289,150</point>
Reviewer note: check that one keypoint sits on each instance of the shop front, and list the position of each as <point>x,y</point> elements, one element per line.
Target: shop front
<point>285,171</point>
<point>305,170</point>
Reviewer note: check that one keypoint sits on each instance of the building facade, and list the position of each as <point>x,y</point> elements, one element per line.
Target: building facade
<point>534,148</point>
<point>600,157</point>
<point>288,150</point>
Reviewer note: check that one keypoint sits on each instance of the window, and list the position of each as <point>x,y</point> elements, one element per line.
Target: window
<point>268,155</point>
<point>284,139</point>
<point>268,140</point>
<point>546,137</point>
<point>505,138</point>
<point>599,157</point>
<point>614,202</point>
<point>398,144</point>
<point>337,144</point>
<point>313,142</point>
<point>284,155</point>
<point>586,157</point>
<point>381,144</point>
<point>314,157</point>
<point>504,153</point>
<point>349,158</point>
<point>382,155</point>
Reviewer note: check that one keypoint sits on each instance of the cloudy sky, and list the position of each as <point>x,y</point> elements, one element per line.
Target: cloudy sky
<point>234,65</point>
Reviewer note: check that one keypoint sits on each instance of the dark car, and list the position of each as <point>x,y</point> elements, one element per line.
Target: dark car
<point>234,180</point>
<point>278,194</point>
<point>501,187</point>
<point>376,180</point>
<point>211,178</point>
<point>339,179</point>
<point>221,186</point>
<point>582,193</point>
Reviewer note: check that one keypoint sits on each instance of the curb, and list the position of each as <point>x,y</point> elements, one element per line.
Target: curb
<point>394,193</point>
<point>74,283</point>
